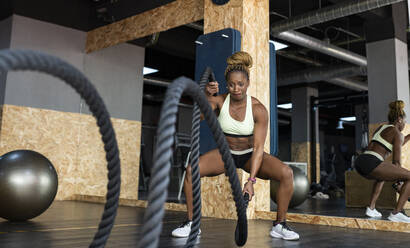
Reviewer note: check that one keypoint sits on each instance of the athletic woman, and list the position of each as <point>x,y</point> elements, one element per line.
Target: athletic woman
<point>244,120</point>
<point>387,139</point>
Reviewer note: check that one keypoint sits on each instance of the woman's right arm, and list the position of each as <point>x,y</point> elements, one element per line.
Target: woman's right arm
<point>211,92</point>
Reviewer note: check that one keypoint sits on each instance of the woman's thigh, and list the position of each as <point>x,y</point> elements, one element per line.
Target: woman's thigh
<point>387,171</point>
<point>271,168</point>
<point>211,164</point>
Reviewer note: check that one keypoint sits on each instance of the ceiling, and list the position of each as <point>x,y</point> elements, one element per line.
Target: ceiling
<point>174,50</point>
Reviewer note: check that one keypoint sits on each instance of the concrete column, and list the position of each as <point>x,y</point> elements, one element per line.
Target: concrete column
<point>387,69</point>
<point>305,146</point>
<point>388,77</point>
<point>251,18</point>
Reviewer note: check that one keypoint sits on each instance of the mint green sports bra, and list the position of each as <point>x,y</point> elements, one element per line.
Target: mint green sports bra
<point>379,139</point>
<point>232,127</point>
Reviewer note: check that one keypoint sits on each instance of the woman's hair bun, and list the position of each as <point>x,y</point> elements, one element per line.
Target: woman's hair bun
<point>396,110</point>
<point>240,58</point>
<point>397,105</point>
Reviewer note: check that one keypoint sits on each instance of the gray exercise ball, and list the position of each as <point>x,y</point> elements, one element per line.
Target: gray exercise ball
<point>28,185</point>
<point>300,188</point>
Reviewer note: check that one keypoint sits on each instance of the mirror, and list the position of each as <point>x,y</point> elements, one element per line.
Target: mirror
<point>340,190</point>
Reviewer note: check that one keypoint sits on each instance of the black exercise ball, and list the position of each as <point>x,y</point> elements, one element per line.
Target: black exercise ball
<point>28,185</point>
<point>300,188</point>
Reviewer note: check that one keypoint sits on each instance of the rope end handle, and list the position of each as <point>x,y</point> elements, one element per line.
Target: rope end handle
<point>212,78</point>
<point>246,199</point>
<point>207,76</point>
<point>241,231</point>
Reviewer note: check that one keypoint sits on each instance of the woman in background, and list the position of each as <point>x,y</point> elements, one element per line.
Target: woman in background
<point>387,139</point>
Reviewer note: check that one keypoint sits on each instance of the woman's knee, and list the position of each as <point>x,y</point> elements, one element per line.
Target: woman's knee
<point>405,188</point>
<point>188,173</point>
<point>287,174</point>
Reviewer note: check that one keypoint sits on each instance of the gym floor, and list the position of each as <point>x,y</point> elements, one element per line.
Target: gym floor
<point>73,224</point>
<point>333,207</point>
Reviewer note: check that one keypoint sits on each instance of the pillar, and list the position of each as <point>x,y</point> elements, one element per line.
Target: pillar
<point>305,121</point>
<point>251,18</point>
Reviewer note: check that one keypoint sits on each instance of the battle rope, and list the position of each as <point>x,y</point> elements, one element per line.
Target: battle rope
<point>160,171</point>
<point>37,61</point>
<point>206,77</point>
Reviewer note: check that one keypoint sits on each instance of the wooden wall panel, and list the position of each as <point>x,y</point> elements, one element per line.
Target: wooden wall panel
<point>73,144</point>
<point>160,19</point>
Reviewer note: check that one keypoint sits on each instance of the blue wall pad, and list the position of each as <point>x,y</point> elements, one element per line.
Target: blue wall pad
<point>273,101</point>
<point>212,50</point>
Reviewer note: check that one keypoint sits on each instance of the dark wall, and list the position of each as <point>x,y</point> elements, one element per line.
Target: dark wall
<point>343,148</point>
<point>284,143</point>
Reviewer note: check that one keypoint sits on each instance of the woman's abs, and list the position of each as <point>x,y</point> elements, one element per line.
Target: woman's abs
<point>240,144</point>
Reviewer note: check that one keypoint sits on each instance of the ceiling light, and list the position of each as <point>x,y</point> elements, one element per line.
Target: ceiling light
<point>278,45</point>
<point>349,118</point>
<point>285,106</point>
<point>148,70</point>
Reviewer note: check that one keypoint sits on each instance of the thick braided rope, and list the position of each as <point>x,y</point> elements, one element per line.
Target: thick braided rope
<point>37,61</point>
<point>160,171</point>
<point>196,177</point>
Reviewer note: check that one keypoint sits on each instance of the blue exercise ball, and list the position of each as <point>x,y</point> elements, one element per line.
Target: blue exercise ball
<point>28,185</point>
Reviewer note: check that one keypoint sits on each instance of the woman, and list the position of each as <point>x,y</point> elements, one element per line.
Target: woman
<point>244,120</point>
<point>370,164</point>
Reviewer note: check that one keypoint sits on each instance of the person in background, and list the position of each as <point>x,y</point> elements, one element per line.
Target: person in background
<point>387,139</point>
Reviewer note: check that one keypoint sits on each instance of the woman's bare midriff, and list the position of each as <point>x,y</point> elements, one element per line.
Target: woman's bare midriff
<point>376,147</point>
<point>240,143</point>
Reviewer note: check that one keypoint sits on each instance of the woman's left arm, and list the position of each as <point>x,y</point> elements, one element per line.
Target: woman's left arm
<point>397,144</point>
<point>259,135</point>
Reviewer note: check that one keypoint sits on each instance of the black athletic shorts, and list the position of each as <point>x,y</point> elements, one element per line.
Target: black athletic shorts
<point>366,163</point>
<point>240,160</point>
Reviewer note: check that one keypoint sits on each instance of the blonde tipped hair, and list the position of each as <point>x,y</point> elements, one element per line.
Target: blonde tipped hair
<point>396,110</point>
<point>239,61</point>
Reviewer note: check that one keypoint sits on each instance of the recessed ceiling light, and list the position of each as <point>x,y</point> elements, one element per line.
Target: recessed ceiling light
<point>148,70</point>
<point>278,45</point>
<point>349,118</point>
<point>285,106</point>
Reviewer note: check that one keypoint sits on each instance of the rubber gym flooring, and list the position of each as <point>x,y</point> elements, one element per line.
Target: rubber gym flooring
<point>73,224</point>
<point>333,207</point>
